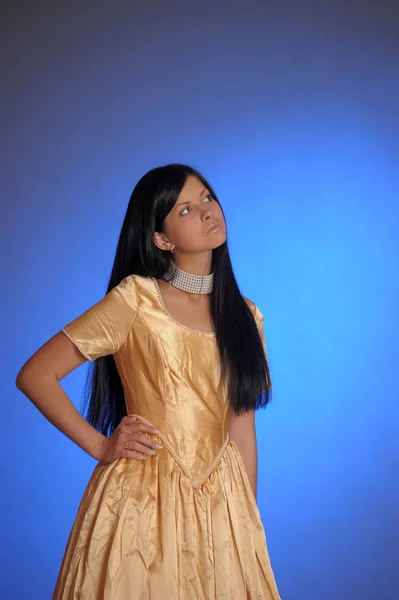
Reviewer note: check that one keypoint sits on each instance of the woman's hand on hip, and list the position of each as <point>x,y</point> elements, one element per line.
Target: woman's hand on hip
<point>129,440</point>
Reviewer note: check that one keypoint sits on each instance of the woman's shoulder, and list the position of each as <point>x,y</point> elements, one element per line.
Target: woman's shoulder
<point>131,284</point>
<point>253,308</point>
<point>250,303</point>
<point>132,288</point>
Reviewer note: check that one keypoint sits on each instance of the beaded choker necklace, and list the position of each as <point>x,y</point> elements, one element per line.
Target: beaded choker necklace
<point>188,282</point>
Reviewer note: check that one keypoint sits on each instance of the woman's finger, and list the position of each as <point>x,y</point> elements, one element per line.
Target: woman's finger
<point>141,448</point>
<point>133,454</point>
<point>132,425</point>
<point>142,439</point>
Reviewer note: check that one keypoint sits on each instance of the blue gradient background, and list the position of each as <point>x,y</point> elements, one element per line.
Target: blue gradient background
<point>291,110</point>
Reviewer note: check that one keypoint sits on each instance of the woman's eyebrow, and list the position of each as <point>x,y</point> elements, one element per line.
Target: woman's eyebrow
<point>189,201</point>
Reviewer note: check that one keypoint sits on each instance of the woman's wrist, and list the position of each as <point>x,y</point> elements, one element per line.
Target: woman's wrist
<point>97,450</point>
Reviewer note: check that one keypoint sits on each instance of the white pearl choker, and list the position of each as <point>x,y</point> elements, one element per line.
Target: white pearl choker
<point>188,282</point>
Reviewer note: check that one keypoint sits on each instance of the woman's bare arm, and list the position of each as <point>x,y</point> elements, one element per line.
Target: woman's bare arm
<point>39,381</point>
<point>242,431</point>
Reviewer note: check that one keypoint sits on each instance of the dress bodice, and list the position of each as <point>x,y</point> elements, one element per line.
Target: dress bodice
<point>170,373</point>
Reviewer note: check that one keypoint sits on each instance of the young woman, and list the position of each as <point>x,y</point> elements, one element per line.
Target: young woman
<point>180,366</point>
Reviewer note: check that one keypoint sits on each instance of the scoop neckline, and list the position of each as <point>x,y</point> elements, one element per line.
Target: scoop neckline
<point>162,303</point>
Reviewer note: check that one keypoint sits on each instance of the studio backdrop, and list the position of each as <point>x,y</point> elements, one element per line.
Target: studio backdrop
<point>290,109</point>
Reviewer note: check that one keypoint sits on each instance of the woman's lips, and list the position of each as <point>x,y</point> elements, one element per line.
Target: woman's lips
<point>214,228</point>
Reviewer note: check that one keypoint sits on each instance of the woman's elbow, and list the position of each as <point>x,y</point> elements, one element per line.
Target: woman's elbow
<point>22,378</point>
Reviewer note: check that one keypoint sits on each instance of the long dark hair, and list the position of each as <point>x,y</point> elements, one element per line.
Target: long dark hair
<point>242,359</point>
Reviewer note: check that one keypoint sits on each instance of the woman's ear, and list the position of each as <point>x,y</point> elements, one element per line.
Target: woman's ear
<point>162,242</point>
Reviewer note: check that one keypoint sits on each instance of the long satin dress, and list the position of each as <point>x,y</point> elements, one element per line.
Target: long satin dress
<point>183,524</point>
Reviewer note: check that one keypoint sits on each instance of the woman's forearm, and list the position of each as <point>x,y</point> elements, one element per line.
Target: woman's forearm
<point>46,393</point>
<point>248,450</point>
<point>242,431</point>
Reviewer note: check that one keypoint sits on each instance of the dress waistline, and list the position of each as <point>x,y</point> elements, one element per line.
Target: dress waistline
<point>195,483</point>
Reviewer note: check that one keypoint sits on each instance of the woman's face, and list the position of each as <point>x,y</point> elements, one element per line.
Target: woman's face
<point>186,228</point>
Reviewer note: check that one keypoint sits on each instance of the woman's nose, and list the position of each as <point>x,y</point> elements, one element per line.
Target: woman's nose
<point>208,213</point>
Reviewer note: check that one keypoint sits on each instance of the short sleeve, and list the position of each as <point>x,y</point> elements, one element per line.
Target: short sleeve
<point>103,328</point>
<point>260,322</point>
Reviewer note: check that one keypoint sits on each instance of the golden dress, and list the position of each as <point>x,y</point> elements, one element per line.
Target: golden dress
<point>183,524</point>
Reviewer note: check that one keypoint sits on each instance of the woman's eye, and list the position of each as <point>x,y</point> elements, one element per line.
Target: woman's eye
<point>208,196</point>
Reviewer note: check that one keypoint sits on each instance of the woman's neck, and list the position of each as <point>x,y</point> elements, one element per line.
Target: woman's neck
<point>194,265</point>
